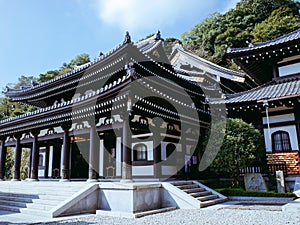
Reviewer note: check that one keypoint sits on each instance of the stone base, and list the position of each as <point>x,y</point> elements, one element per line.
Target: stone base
<point>91,180</point>
<point>13,180</point>
<point>31,180</point>
<point>64,180</point>
<point>129,198</point>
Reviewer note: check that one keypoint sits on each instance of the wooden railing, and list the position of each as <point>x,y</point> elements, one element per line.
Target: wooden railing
<point>267,169</point>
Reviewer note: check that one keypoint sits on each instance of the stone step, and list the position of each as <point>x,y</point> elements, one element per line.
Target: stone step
<point>155,211</point>
<point>212,202</point>
<point>178,183</point>
<point>193,190</point>
<point>13,203</point>
<point>19,195</point>
<point>10,208</point>
<point>207,198</point>
<point>47,201</point>
<point>199,194</point>
<point>16,199</point>
<point>41,207</point>
<point>187,186</point>
<point>38,191</point>
<point>53,197</point>
<point>41,213</point>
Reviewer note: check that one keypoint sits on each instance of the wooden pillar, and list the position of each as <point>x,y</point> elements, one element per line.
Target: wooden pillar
<point>30,163</point>
<point>126,151</point>
<point>66,153</point>
<point>46,171</point>
<point>3,151</point>
<point>17,159</point>
<point>35,156</point>
<point>157,156</point>
<point>93,159</point>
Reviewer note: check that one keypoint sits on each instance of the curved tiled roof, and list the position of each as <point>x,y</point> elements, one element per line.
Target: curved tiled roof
<point>273,90</point>
<point>293,36</point>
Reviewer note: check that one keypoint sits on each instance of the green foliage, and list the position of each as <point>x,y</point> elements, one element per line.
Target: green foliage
<point>242,143</point>
<point>24,81</point>
<point>281,21</point>
<point>65,68</point>
<point>242,192</point>
<point>234,28</point>
<point>9,164</point>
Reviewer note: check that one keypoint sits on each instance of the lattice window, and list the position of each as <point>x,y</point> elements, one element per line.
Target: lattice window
<point>281,141</point>
<point>140,152</point>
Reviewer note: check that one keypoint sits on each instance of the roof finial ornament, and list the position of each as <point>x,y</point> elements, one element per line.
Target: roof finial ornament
<point>158,36</point>
<point>127,39</point>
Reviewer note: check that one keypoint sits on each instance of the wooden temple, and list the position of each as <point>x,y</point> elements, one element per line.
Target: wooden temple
<point>132,113</point>
<point>273,106</point>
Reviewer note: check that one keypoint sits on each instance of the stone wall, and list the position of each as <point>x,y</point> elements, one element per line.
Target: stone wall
<point>291,159</point>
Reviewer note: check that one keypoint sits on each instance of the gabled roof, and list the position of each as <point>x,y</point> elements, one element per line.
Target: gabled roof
<point>275,43</point>
<point>258,60</point>
<point>185,61</point>
<point>275,90</point>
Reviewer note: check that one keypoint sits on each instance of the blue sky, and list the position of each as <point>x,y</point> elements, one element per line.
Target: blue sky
<point>37,36</point>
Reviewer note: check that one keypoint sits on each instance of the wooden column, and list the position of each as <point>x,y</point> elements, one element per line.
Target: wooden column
<point>17,158</point>
<point>3,151</point>
<point>35,156</point>
<point>66,154</point>
<point>30,163</point>
<point>126,151</point>
<point>157,156</point>
<point>93,159</point>
<point>46,171</point>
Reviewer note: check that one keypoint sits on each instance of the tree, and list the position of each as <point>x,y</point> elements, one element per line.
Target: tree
<point>281,21</point>
<point>65,68</point>
<point>9,164</point>
<point>210,38</point>
<point>242,143</point>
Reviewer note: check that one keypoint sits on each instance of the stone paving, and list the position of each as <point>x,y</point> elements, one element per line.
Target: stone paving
<point>240,213</point>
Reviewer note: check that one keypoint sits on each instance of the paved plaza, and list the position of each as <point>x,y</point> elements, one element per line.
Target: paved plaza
<point>239,213</point>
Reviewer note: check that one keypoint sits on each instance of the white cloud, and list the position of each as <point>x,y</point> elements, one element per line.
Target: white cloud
<point>230,5</point>
<point>135,15</point>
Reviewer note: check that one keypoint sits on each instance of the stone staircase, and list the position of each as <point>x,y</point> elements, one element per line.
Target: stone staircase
<point>205,195</point>
<point>35,198</point>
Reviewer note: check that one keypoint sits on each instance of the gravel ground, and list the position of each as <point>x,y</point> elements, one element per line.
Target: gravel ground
<point>240,215</point>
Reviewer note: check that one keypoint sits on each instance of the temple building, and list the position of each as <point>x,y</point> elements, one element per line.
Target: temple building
<point>273,106</point>
<point>132,113</point>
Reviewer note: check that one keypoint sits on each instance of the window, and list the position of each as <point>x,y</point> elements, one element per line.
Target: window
<point>41,160</point>
<point>289,69</point>
<point>140,152</point>
<point>281,141</point>
<point>170,148</point>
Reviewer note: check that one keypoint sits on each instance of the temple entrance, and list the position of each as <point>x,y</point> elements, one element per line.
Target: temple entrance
<point>79,158</point>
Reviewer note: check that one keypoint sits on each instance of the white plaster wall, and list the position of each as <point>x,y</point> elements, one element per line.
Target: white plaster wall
<point>50,161</point>
<point>118,157</point>
<point>168,170</point>
<point>292,133</point>
<point>143,170</point>
<point>279,118</point>
<point>101,158</point>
